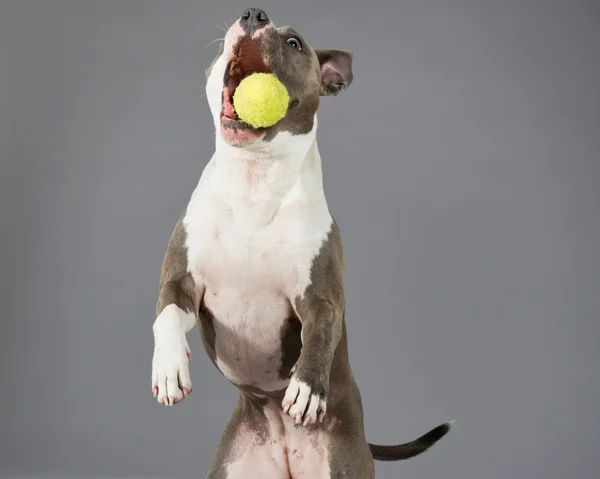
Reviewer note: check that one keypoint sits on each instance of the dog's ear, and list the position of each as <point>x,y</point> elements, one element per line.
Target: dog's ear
<point>336,70</point>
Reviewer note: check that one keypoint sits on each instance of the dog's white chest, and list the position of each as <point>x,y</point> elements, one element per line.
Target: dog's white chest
<point>251,252</point>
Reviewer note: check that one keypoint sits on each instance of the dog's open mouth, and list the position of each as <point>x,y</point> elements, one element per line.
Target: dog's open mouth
<point>247,61</point>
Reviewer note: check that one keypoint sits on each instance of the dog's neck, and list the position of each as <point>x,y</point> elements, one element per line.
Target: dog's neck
<point>268,171</point>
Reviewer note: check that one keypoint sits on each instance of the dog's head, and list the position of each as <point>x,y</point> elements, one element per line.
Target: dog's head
<point>253,44</point>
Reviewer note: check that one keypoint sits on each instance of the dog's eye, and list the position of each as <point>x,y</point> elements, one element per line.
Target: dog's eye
<point>295,43</point>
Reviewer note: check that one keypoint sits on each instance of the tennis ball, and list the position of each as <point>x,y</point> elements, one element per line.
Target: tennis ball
<point>261,100</point>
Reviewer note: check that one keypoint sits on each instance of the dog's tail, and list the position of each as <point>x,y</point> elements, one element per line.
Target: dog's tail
<point>410,449</point>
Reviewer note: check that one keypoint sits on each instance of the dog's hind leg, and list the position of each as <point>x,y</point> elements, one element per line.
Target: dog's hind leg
<point>335,448</point>
<point>248,448</point>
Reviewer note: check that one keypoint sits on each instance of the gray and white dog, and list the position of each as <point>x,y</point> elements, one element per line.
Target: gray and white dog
<point>256,259</point>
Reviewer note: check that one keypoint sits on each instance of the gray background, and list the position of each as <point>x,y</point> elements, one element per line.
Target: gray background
<point>463,166</point>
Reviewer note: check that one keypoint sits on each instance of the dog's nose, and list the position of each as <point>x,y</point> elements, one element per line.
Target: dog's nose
<point>254,19</point>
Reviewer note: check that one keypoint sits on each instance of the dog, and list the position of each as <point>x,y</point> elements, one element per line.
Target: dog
<point>257,261</point>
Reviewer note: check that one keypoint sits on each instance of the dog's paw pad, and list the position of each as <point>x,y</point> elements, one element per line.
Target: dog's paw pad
<point>302,404</point>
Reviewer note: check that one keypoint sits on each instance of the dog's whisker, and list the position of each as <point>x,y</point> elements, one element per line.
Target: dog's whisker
<point>215,40</point>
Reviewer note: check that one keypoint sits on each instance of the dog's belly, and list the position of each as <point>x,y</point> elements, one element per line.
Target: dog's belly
<point>255,336</point>
<point>253,328</point>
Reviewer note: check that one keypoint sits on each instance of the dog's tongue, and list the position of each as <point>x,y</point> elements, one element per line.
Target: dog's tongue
<point>228,109</point>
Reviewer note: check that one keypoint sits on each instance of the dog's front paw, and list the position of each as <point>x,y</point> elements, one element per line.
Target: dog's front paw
<point>171,381</point>
<point>305,401</point>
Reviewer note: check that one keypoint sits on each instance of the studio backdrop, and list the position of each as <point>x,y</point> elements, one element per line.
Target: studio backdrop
<point>462,166</point>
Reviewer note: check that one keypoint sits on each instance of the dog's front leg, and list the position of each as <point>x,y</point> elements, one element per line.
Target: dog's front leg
<point>306,396</point>
<point>177,313</point>
<point>321,313</point>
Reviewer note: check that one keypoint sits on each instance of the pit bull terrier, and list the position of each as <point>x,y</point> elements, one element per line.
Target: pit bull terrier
<point>256,259</point>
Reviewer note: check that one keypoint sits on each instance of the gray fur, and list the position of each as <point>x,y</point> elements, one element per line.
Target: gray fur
<point>176,284</point>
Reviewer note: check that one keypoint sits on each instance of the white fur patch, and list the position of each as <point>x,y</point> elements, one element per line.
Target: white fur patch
<point>303,406</point>
<point>171,380</point>
<point>253,227</point>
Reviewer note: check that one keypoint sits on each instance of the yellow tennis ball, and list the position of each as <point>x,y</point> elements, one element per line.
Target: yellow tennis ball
<point>261,100</point>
